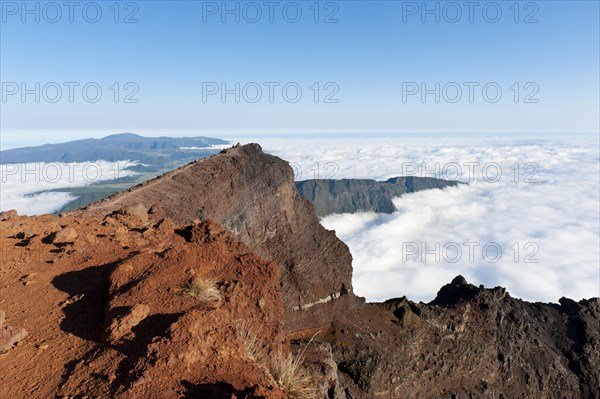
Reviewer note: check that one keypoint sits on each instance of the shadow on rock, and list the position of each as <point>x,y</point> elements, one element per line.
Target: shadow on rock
<point>219,390</point>
<point>84,309</point>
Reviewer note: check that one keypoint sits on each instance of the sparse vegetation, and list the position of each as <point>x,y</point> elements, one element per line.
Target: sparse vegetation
<point>291,375</point>
<point>203,289</point>
<point>287,370</point>
<point>252,343</point>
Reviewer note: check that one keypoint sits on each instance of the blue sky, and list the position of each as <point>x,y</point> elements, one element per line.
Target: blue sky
<point>369,61</point>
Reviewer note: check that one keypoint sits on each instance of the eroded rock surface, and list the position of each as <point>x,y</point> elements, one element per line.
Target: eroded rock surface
<point>470,342</point>
<point>9,335</point>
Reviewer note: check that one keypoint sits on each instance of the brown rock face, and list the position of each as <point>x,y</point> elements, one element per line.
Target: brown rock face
<point>123,325</point>
<point>9,215</point>
<point>253,195</point>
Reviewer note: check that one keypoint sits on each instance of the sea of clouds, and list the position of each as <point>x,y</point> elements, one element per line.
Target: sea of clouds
<point>529,219</point>
<point>27,187</point>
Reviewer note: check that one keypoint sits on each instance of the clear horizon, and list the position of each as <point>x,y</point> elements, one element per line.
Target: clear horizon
<point>378,66</point>
<point>12,140</point>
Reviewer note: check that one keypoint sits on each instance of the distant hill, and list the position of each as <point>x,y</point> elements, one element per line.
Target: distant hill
<point>151,156</point>
<point>125,146</point>
<point>354,195</point>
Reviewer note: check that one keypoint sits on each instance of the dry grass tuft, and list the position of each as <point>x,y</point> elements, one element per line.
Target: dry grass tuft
<point>292,377</point>
<point>252,343</point>
<point>203,289</point>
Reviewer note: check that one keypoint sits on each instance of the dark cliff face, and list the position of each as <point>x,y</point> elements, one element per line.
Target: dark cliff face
<point>253,195</point>
<point>354,195</point>
<point>470,342</point>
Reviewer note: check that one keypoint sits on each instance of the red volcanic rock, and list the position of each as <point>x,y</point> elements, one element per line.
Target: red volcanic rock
<point>9,215</point>
<point>65,236</point>
<point>9,335</point>
<point>107,321</point>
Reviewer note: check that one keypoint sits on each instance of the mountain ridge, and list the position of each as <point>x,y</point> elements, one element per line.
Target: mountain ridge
<point>116,147</point>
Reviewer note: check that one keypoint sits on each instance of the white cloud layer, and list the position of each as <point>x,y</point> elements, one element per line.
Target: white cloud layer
<point>545,219</point>
<point>555,221</point>
<point>25,187</point>
<point>209,147</point>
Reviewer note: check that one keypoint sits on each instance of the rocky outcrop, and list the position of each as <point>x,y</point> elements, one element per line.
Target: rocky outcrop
<point>9,215</point>
<point>355,195</point>
<point>253,195</point>
<point>65,235</point>
<point>470,342</point>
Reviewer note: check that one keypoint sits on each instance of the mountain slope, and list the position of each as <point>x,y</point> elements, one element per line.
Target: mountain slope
<point>253,194</point>
<point>470,342</point>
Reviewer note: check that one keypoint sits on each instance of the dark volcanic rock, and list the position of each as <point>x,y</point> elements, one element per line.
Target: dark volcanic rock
<point>470,342</point>
<point>353,195</point>
<point>253,195</point>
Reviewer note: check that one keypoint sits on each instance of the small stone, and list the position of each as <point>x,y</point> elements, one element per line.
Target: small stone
<point>27,279</point>
<point>122,326</point>
<point>166,226</point>
<point>261,303</point>
<point>136,215</point>
<point>11,336</point>
<point>67,235</point>
<point>9,215</point>
<point>91,239</point>
<point>110,221</point>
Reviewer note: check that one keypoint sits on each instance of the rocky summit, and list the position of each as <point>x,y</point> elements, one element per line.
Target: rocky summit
<point>217,280</point>
<point>253,195</point>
